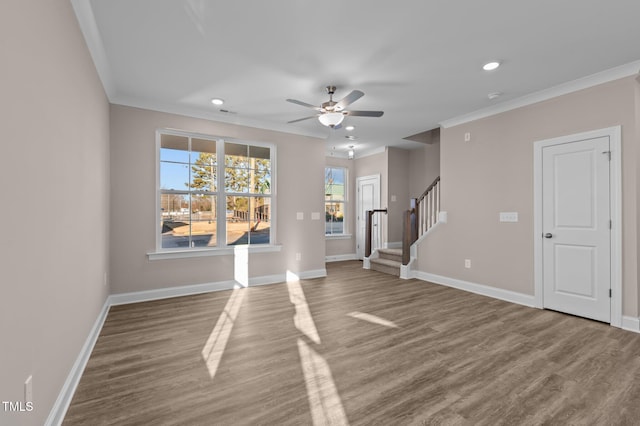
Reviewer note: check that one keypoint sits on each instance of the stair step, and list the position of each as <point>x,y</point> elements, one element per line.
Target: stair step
<point>387,266</point>
<point>391,254</point>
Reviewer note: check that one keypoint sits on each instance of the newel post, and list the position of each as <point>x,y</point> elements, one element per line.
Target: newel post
<point>367,239</point>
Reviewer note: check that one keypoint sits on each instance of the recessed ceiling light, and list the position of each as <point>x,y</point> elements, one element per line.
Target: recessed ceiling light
<point>351,138</point>
<point>217,101</point>
<point>494,95</point>
<point>490,66</point>
<point>349,128</point>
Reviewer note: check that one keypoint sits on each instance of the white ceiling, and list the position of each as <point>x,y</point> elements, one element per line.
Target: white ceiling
<point>418,60</point>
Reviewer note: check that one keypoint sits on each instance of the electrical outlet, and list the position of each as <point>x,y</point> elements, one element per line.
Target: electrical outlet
<point>467,137</point>
<point>467,263</point>
<point>28,389</point>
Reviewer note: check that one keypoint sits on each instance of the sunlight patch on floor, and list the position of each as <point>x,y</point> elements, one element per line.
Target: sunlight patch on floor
<point>302,319</point>
<point>372,319</point>
<point>217,342</point>
<point>324,401</point>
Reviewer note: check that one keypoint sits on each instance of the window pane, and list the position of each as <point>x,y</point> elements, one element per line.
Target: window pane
<point>236,155</point>
<point>260,152</point>
<point>260,215</point>
<point>203,173</point>
<point>203,220</point>
<point>182,227</point>
<point>334,183</point>
<point>203,146</point>
<point>203,165</point>
<point>174,176</point>
<point>174,148</point>
<point>174,220</point>
<point>334,218</point>
<point>236,180</point>
<point>261,179</point>
<point>237,220</point>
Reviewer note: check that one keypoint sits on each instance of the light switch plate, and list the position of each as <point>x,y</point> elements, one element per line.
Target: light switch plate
<point>300,215</point>
<point>508,216</point>
<point>315,215</point>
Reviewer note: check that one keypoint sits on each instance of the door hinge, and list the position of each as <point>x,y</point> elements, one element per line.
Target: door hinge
<point>610,224</point>
<point>608,153</point>
<point>609,292</point>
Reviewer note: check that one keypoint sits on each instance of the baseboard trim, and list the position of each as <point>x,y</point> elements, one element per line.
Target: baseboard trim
<point>166,293</point>
<point>631,324</point>
<point>484,290</point>
<point>314,273</point>
<point>341,257</point>
<point>60,407</point>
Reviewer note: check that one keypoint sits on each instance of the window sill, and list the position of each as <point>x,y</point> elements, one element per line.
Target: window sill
<point>338,236</point>
<point>224,251</point>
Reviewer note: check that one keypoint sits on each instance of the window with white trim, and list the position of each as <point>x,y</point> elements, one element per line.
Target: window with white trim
<point>213,192</point>
<point>335,197</point>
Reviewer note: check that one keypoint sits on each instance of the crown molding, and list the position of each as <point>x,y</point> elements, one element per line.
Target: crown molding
<point>89,28</point>
<point>212,116</point>
<point>606,76</point>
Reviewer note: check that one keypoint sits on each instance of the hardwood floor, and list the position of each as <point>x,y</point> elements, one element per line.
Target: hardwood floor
<point>358,347</point>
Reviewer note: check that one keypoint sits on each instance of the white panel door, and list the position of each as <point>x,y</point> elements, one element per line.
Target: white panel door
<point>368,199</point>
<point>576,228</point>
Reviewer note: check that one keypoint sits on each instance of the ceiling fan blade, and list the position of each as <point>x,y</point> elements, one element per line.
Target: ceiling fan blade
<point>364,113</point>
<point>304,104</point>
<point>301,119</point>
<point>349,99</point>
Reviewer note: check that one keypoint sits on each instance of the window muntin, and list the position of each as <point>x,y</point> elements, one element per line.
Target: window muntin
<point>334,200</point>
<point>191,207</point>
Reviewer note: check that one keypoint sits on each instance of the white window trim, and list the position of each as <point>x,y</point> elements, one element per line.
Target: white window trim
<point>221,232</point>
<point>345,221</point>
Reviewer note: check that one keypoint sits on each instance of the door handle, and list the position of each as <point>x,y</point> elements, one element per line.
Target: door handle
<point>548,235</point>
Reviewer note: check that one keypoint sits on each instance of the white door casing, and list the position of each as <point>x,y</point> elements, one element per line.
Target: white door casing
<point>368,198</point>
<point>577,225</point>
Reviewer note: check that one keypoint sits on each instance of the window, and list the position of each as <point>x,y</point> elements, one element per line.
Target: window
<point>334,200</point>
<point>213,192</point>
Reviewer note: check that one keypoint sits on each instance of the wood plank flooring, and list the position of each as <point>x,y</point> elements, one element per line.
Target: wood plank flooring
<point>437,356</point>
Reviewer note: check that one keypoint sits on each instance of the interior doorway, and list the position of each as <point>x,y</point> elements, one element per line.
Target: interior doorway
<point>577,225</point>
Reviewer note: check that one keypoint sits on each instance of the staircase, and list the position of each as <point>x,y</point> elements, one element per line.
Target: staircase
<point>416,222</point>
<point>388,261</point>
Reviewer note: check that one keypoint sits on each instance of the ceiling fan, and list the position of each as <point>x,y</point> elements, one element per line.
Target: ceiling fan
<point>331,113</point>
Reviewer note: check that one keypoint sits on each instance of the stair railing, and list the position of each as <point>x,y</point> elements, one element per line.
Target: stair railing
<point>369,230</point>
<point>420,218</point>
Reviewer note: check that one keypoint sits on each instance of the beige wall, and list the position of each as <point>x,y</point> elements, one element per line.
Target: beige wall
<point>424,167</point>
<point>55,173</point>
<point>398,176</point>
<point>300,187</point>
<point>494,172</point>
<point>345,246</point>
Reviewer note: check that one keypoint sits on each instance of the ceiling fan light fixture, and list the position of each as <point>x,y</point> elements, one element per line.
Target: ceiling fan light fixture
<point>331,119</point>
